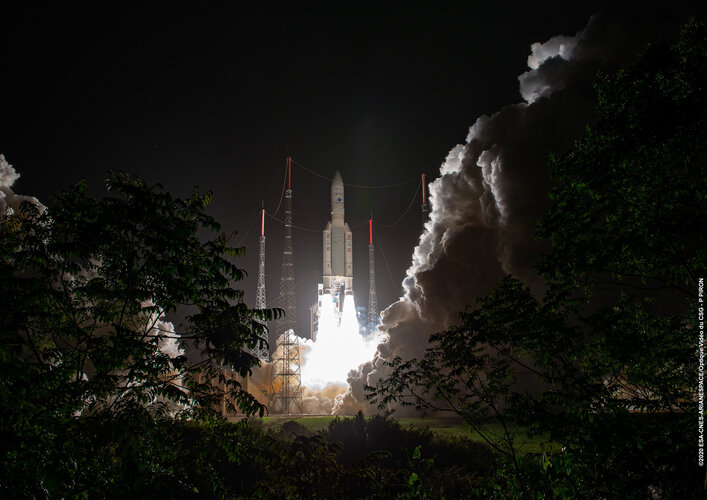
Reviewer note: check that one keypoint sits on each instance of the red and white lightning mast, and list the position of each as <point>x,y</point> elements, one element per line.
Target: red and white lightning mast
<point>261,350</point>
<point>288,300</point>
<point>287,374</point>
<point>372,299</point>
<point>425,205</point>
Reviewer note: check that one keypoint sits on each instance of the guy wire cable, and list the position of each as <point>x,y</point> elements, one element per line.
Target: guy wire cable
<point>390,273</point>
<point>359,186</point>
<point>292,225</point>
<point>241,237</point>
<point>282,193</point>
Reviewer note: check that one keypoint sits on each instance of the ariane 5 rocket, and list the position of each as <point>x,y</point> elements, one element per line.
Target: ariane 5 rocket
<point>338,248</point>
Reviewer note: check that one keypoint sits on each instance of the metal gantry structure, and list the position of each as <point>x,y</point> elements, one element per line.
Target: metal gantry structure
<point>286,380</point>
<point>425,205</point>
<point>287,376</point>
<point>287,299</point>
<point>261,350</point>
<point>372,299</point>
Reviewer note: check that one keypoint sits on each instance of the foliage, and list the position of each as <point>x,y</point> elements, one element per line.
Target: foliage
<point>85,289</point>
<point>535,476</point>
<point>102,397</point>
<point>470,369</point>
<point>99,396</point>
<point>629,198</point>
<point>627,229</point>
<point>605,362</point>
<point>420,467</point>
<point>451,467</point>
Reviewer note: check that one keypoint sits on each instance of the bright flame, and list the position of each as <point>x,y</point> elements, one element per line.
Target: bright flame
<point>339,347</point>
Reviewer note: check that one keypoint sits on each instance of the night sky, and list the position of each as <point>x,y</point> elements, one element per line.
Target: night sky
<point>219,97</point>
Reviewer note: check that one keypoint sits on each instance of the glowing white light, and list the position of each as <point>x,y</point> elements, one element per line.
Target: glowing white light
<point>339,347</point>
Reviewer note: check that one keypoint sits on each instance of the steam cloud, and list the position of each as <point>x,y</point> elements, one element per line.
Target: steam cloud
<point>9,201</point>
<point>491,192</point>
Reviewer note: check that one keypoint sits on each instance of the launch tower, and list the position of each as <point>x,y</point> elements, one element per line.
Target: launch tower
<point>372,299</point>
<point>287,278</point>
<point>425,206</point>
<point>261,350</point>
<point>287,377</point>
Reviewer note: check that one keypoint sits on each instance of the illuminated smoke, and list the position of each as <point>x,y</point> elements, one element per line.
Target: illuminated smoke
<point>327,362</point>
<point>10,204</point>
<point>9,201</point>
<point>338,349</point>
<point>491,192</point>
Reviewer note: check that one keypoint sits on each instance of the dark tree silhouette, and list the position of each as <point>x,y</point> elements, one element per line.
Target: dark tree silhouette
<point>85,288</point>
<point>606,361</point>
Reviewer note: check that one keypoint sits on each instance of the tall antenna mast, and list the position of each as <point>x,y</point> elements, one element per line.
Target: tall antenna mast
<point>372,299</point>
<point>287,378</point>
<point>425,205</point>
<point>288,300</point>
<point>261,350</point>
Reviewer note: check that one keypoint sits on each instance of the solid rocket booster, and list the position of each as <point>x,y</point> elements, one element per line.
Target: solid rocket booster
<point>337,244</point>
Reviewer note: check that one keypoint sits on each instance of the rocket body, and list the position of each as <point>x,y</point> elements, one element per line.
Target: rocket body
<point>337,269</point>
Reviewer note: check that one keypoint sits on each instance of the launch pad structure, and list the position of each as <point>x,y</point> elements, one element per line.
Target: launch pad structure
<point>261,349</point>
<point>335,290</point>
<point>287,300</point>
<point>425,206</point>
<point>287,377</point>
<point>372,298</point>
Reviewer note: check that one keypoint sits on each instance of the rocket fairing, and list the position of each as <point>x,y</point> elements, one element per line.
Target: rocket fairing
<point>337,269</point>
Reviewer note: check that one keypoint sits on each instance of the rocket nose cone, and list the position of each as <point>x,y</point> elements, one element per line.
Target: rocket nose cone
<point>337,198</point>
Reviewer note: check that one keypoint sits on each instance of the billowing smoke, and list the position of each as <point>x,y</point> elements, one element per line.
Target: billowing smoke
<point>168,338</point>
<point>491,192</point>
<point>9,201</point>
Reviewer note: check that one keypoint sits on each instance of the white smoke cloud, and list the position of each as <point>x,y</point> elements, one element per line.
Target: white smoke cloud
<point>9,201</point>
<point>560,45</point>
<point>8,176</point>
<point>533,84</point>
<point>490,194</point>
<point>168,343</point>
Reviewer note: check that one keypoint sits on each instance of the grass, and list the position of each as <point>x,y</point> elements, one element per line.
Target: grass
<point>449,428</point>
<point>453,428</point>
<point>314,424</point>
